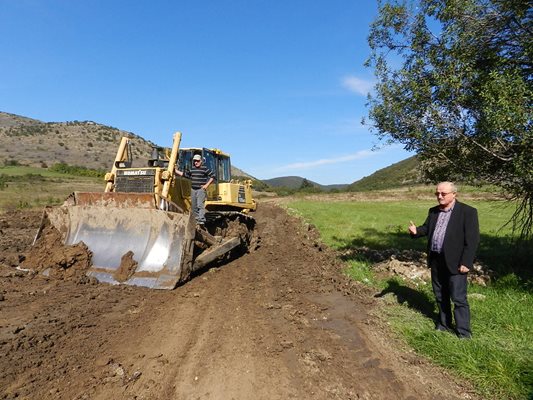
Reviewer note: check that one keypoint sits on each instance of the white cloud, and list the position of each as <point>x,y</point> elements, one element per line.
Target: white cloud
<point>356,85</point>
<point>327,161</point>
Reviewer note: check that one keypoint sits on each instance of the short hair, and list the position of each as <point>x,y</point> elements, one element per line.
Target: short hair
<point>453,188</point>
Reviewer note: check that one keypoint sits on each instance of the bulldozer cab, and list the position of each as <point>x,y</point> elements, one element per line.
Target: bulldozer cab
<point>215,160</point>
<point>225,193</point>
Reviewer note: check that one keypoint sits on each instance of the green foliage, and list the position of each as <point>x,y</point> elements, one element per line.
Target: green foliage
<point>77,170</point>
<point>455,85</point>
<point>306,184</point>
<point>11,163</point>
<point>23,204</point>
<point>499,360</point>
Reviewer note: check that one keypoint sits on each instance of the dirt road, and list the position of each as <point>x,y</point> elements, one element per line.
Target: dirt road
<point>278,323</point>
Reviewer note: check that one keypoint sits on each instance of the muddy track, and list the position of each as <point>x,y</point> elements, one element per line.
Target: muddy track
<point>280,322</point>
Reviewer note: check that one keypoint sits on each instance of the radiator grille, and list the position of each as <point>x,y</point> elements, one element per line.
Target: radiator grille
<point>135,181</point>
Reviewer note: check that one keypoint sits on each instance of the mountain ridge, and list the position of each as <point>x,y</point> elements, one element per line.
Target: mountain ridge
<point>31,142</point>
<point>296,182</point>
<point>28,141</point>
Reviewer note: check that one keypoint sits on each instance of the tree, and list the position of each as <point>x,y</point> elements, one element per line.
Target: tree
<point>454,85</point>
<point>306,184</point>
<point>309,187</point>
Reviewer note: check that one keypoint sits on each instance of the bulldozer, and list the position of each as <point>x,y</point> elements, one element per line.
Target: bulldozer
<point>141,230</point>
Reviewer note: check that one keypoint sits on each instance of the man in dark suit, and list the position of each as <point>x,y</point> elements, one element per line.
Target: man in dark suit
<point>452,229</point>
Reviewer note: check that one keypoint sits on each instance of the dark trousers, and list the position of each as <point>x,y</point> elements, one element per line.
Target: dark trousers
<point>446,287</point>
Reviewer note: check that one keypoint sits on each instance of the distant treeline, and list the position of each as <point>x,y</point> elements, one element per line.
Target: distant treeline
<point>31,178</point>
<point>64,168</point>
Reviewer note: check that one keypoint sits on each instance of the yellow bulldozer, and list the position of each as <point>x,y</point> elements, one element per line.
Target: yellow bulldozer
<point>144,216</point>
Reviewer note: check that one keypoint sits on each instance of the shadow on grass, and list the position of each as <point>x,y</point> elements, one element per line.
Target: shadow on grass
<point>414,299</point>
<point>502,255</point>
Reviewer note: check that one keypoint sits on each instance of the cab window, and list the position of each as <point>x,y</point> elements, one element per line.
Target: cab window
<point>210,161</point>
<point>224,169</point>
<point>185,160</point>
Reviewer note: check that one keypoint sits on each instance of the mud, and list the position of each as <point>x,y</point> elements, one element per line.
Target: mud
<point>280,322</point>
<point>51,258</point>
<point>126,268</point>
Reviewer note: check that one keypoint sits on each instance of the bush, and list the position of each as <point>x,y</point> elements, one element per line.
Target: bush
<point>11,163</point>
<point>3,181</point>
<point>23,204</point>
<point>64,168</point>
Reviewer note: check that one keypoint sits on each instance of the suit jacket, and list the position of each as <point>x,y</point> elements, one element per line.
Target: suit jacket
<point>461,238</point>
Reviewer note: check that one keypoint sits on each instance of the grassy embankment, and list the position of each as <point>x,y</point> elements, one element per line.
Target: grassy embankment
<point>499,359</point>
<point>29,187</point>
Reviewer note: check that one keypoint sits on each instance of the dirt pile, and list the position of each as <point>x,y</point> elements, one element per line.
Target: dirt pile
<point>51,258</point>
<point>17,230</point>
<point>410,265</point>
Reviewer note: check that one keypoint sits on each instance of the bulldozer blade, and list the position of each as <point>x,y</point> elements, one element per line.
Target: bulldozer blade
<point>159,244</point>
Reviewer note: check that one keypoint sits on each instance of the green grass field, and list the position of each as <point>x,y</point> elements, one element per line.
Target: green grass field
<point>30,187</point>
<point>499,359</point>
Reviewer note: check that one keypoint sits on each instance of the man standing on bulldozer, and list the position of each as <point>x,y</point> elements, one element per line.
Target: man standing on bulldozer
<point>201,177</point>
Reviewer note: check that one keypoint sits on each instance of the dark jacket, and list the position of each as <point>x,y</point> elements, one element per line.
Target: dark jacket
<point>461,238</point>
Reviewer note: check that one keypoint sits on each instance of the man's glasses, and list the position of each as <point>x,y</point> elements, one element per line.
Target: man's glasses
<point>443,194</point>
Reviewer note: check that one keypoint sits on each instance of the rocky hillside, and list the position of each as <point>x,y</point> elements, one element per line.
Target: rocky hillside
<point>31,142</point>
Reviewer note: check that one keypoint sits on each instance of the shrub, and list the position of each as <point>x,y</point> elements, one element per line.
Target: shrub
<point>3,181</point>
<point>11,163</point>
<point>77,170</point>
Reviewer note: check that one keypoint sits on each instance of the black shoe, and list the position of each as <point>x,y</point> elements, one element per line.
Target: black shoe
<point>442,328</point>
<point>464,337</point>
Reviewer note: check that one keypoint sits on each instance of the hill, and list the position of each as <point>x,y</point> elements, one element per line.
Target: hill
<point>34,143</point>
<point>295,182</point>
<point>289,182</point>
<point>400,174</point>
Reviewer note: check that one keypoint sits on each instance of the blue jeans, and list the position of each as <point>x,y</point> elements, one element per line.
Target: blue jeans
<point>197,203</point>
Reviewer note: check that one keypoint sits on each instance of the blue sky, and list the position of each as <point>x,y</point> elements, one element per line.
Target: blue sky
<point>279,84</point>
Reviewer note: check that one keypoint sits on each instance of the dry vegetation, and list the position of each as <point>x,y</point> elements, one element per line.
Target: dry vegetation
<point>25,141</point>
